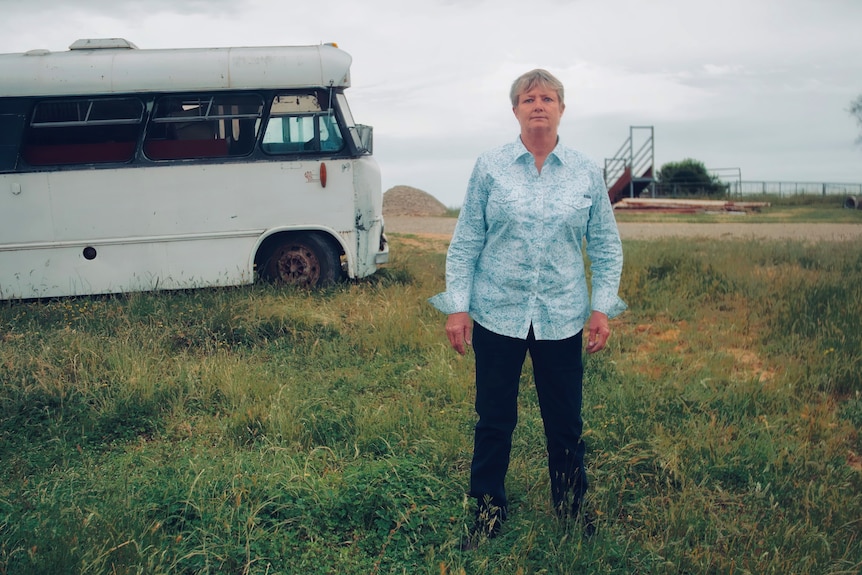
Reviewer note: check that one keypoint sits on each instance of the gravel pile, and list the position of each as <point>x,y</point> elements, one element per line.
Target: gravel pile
<point>407,201</point>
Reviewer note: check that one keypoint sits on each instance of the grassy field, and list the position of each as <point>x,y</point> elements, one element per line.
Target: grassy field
<point>789,209</point>
<point>258,430</point>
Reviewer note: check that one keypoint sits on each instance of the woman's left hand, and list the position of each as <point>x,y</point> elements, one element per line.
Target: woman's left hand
<point>598,332</point>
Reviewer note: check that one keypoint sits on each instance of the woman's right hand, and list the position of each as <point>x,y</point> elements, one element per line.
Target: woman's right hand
<point>459,330</point>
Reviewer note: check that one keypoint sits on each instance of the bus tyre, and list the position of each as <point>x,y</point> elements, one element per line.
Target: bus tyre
<point>303,261</point>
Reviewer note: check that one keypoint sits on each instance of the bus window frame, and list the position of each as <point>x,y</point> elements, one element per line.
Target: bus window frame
<point>213,145</point>
<point>314,145</point>
<point>66,144</point>
<point>361,136</point>
<point>286,106</point>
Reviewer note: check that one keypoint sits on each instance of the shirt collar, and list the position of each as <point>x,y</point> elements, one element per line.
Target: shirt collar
<point>520,150</point>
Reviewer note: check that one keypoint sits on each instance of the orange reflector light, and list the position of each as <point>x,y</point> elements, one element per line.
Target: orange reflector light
<point>322,174</point>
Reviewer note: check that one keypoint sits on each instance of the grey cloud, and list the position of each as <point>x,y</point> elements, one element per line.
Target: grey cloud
<point>122,8</point>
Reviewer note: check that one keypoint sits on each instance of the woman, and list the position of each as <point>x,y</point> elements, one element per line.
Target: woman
<point>516,283</point>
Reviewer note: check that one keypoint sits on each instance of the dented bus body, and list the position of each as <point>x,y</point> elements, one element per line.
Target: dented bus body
<point>123,169</point>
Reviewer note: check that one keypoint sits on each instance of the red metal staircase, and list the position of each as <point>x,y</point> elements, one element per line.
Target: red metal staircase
<point>630,160</point>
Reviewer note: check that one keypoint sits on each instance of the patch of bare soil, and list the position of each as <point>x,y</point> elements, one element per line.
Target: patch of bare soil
<point>408,210</point>
<point>441,226</point>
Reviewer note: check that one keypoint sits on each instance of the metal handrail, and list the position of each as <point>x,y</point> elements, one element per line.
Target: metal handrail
<point>640,163</point>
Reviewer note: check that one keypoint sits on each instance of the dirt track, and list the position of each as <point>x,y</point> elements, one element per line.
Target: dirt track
<point>442,226</point>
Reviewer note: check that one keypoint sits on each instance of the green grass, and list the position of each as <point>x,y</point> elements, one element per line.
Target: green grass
<point>257,430</point>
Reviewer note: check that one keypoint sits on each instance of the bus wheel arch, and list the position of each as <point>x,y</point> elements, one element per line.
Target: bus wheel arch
<point>302,259</point>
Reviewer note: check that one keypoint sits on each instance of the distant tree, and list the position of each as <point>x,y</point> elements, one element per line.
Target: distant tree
<point>688,177</point>
<point>856,112</point>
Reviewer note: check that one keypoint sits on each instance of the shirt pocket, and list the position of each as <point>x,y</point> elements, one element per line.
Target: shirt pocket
<point>575,211</point>
<point>578,201</point>
<point>507,205</point>
<point>577,205</point>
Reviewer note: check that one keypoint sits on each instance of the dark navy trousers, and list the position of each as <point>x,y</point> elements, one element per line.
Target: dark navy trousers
<point>558,373</point>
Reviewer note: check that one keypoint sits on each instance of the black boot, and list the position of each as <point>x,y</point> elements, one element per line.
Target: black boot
<point>487,523</point>
<point>578,514</point>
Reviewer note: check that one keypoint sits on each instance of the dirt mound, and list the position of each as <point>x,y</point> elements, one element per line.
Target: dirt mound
<point>407,201</point>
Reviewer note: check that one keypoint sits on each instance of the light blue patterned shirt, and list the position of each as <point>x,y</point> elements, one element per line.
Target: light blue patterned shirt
<point>516,257</point>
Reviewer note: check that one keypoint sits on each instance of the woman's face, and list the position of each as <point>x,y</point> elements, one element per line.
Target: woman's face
<point>539,110</point>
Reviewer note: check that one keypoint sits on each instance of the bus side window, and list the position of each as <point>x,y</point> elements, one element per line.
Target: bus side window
<point>11,128</point>
<point>83,131</point>
<point>209,126</point>
<point>330,135</point>
<point>284,135</point>
<point>302,123</point>
<point>302,134</point>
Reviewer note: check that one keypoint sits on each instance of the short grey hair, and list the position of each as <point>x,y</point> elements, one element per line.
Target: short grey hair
<point>533,78</point>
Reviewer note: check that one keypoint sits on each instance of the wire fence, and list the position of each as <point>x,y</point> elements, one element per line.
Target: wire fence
<point>754,188</point>
<point>782,189</point>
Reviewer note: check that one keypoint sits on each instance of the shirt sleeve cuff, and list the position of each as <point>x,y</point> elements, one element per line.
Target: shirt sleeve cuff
<point>610,306</point>
<point>445,303</point>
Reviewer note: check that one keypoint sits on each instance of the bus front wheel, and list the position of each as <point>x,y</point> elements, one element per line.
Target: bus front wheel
<point>302,261</point>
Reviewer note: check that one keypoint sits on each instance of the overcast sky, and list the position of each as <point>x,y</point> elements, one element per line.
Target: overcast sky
<point>763,86</point>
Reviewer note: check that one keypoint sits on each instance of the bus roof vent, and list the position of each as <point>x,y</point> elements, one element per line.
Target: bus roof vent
<point>102,44</point>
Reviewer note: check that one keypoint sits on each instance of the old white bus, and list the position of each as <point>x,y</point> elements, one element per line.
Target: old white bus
<point>125,169</point>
